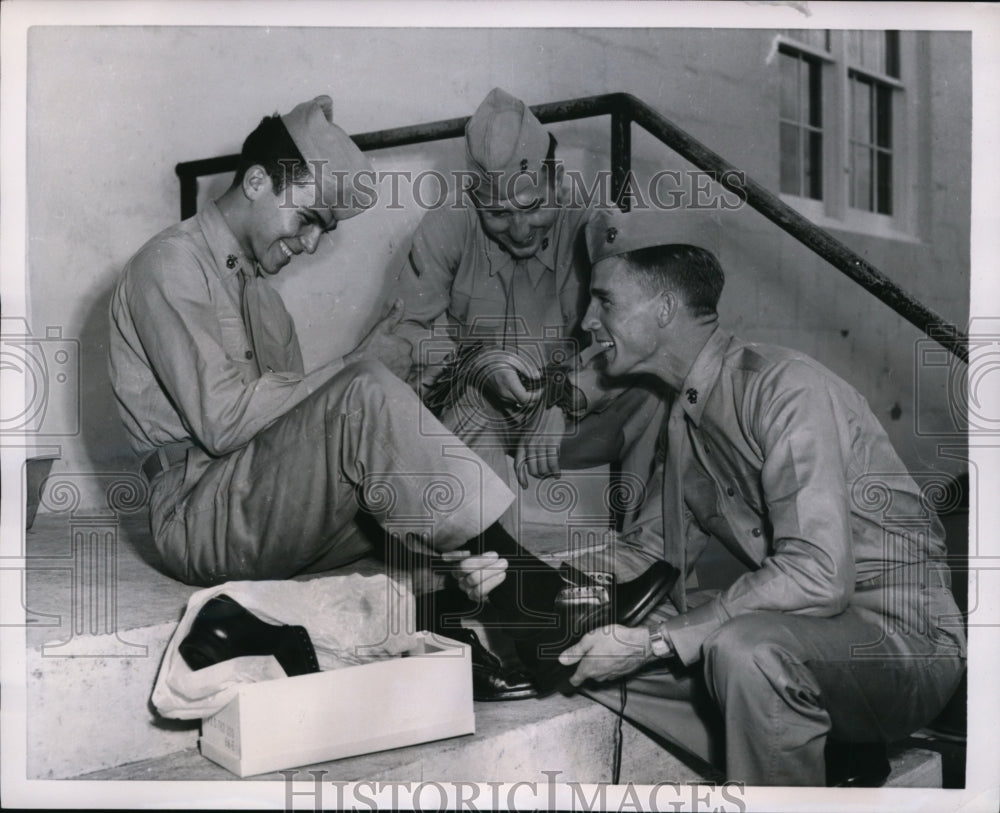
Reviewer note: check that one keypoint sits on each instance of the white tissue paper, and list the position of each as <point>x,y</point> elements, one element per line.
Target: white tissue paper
<point>351,619</point>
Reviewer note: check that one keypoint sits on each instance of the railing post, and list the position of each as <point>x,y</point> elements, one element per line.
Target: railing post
<point>621,156</point>
<point>189,195</point>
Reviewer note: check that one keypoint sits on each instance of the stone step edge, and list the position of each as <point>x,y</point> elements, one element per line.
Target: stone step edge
<point>174,737</point>
<point>911,767</point>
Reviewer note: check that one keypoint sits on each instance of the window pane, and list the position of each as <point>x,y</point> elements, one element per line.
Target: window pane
<point>892,53</point>
<point>883,116</point>
<point>800,125</point>
<point>789,108</point>
<point>861,104</point>
<point>815,93</point>
<point>790,177</point>
<point>814,166</point>
<point>884,167</point>
<point>877,51</point>
<point>861,174</point>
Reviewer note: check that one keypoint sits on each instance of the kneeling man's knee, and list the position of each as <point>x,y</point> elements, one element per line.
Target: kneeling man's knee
<point>746,648</point>
<point>734,646</point>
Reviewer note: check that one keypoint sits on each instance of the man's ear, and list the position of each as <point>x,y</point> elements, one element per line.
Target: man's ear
<point>666,308</point>
<point>256,182</point>
<point>555,184</point>
<point>560,171</point>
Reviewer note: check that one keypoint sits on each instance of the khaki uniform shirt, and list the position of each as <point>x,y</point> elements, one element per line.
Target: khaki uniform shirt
<point>183,364</point>
<point>455,271</point>
<point>785,464</point>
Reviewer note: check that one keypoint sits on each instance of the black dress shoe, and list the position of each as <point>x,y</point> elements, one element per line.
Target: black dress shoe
<point>856,765</point>
<point>225,629</point>
<point>491,678</point>
<point>627,604</point>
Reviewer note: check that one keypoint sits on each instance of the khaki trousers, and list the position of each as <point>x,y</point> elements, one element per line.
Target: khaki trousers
<point>772,687</point>
<point>286,502</point>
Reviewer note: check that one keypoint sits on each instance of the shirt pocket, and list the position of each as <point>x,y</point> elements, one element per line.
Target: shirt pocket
<point>478,317</point>
<point>236,345</point>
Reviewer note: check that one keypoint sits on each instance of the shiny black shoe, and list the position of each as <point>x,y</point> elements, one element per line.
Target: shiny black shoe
<point>491,679</point>
<point>856,765</point>
<point>582,609</point>
<point>225,629</point>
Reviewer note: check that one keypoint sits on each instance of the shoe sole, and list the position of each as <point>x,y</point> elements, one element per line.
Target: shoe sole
<point>521,694</point>
<point>648,604</point>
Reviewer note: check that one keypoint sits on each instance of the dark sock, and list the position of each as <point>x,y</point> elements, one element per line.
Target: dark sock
<point>443,610</point>
<point>524,602</point>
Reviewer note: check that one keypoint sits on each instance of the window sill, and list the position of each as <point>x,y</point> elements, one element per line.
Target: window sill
<point>855,221</point>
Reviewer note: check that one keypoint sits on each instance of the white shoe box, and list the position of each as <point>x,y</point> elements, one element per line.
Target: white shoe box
<point>424,695</point>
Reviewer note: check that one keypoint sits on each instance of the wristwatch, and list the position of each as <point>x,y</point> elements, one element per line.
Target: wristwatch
<point>659,644</point>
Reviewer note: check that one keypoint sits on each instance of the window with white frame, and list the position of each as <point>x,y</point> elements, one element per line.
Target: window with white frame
<point>842,126</point>
<point>872,58</point>
<point>801,123</point>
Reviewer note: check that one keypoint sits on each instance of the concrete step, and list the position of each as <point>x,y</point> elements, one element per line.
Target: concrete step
<point>516,740</point>
<point>527,741</point>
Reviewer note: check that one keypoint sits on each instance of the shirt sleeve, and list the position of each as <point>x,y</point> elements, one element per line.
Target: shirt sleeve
<point>799,425</point>
<point>425,284</point>
<point>176,319</point>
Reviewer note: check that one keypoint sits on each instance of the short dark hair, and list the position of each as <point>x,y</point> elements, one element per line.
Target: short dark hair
<point>694,272</point>
<point>271,146</point>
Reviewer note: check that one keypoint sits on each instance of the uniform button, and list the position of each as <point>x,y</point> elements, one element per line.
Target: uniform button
<point>249,354</point>
<point>756,531</point>
<point>730,491</point>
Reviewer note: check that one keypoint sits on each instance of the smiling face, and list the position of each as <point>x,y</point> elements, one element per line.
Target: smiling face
<point>624,319</point>
<point>283,224</point>
<point>520,222</point>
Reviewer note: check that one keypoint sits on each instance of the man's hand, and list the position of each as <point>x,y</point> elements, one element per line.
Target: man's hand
<point>476,576</point>
<point>504,382</point>
<point>608,653</point>
<point>382,344</point>
<point>537,452</point>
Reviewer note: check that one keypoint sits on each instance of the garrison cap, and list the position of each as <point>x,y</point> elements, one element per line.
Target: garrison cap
<point>504,139</point>
<point>611,232</point>
<point>328,148</point>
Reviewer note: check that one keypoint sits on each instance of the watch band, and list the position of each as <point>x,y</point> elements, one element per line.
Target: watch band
<point>659,644</point>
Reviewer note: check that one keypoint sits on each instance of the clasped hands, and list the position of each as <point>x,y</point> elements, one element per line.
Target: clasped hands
<point>519,388</point>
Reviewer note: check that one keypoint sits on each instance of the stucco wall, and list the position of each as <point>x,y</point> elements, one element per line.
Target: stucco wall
<point>112,110</point>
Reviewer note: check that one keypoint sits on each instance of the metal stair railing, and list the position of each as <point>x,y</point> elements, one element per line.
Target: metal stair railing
<point>624,110</point>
